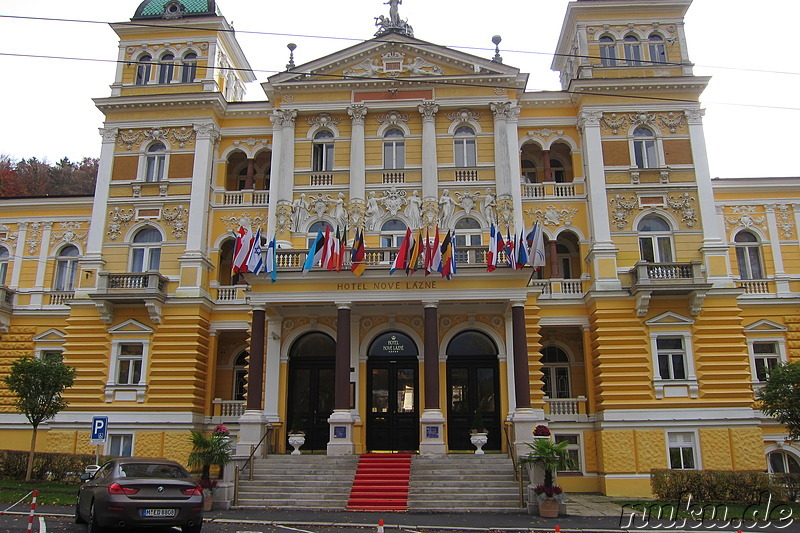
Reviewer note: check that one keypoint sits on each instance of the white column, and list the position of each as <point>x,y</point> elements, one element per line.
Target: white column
<point>512,391</point>
<point>515,171</point>
<point>358,175</point>
<point>202,171</point>
<point>94,245</point>
<point>781,279</point>
<point>287,159</point>
<point>275,170</point>
<point>19,253</point>
<point>602,250</point>
<point>502,171</point>
<point>430,165</point>
<point>273,369</point>
<point>36,297</point>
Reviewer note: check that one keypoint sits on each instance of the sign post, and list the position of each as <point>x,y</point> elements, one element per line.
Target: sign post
<point>99,433</point>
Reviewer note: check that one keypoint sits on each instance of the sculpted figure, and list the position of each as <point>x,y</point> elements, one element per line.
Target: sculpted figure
<point>413,210</point>
<point>446,209</point>
<point>394,15</point>
<point>373,213</point>
<point>339,214</point>
<point>299,212</point>
<point>487,207</point>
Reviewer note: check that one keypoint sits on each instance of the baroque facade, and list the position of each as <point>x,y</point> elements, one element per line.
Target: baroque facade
<point>665,295</point>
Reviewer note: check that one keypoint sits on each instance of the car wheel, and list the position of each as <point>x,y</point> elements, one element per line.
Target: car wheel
<point>192,529</point>
<point>93,526</point>
<point>78,518</point>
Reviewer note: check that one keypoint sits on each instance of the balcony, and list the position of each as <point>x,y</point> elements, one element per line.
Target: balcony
<point>6,299</point>
<point>60,297</point>
<point>226,411</point>
<point>756,286</point>
<point>555,289</point>
<point>552,190</point>
<point>230,293</point>
<point>148,288</point>
<point>566,409</point>
<point>245,197</point>
<point>668,279</point>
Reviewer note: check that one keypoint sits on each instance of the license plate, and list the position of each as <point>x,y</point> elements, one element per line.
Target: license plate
<point>159,512</point>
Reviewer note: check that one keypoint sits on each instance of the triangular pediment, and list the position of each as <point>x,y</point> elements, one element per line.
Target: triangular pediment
<point>51,335</point>
<point>130,326</point>
<point>393,56</point>
<point>669,319</point>
<point>765,325</point>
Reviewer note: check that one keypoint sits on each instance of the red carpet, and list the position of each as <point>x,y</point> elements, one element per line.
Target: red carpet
<point>381,482</point>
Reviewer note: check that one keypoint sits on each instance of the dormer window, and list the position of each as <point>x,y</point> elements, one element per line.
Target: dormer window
<point>166,68</point>
<point>633,51</point>
<point>143,70</point>
<point>658,53</point>
<point>189,71</point>
<point>608,51</point>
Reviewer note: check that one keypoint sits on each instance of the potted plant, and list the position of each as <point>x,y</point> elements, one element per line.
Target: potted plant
<point>550,457</point>
<point>297,437</point>
<point>207,451</point>
<point>541,431</point>
<point>478,434</point>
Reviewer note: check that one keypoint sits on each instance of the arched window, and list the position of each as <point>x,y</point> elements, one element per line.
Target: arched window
<point>529,171</point>
<point>555,370</point>
<point>155,162</point>
<point>464,144</point>
<point>66,269</point>
<point>240,376</point>
<point>783,463</point>
<point>655,240</point>
<point>608,51</point>
<point>146,250</point>
<point>633,51</point>
<point>143,69</point>
<point>392,233</point>
<point>166,68</point>
<point>469,233</point>
<point>658,53</point>
<point>644,148</point>
<point>189,70</point>
<point>315,228</point>
<point>322,152</point>
<point>4,255</point>
<point>748,255</point>
<point>394,149</point>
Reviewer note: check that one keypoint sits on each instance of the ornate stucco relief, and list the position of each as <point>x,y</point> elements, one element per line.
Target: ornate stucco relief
<point>744,217</point>
<point>235,220</point>
<point>552,215</point>
<point>622,209</point>
<point>70,232</point>
<point>614,122</point>
<point>181,137</point>
<point>683,205</point>
<point>785,216</point>
<point>175,217</point>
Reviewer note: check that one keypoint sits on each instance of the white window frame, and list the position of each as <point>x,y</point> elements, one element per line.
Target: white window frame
<point>392,238</point>
<point>5,259</point>
<point>580,469</point>
<point>657,49</point>
<point>166,69</point>
<point>694,447</point>
<point>153,165</point>
<point>147,251</point>
<point>748,248</point>
<point>608,51</point>
<point>780,355</point>
<point>394,150</point>
<point>465,147</point>
<point>646,151</point>
<point>673,388</point>
<point>144,71</point>
<point>632,48</point>
<point>66,271</point>
<point>656,238</point>
<point>122,436</point>
<point>189,67</point>
<point>322,151</point>
<point>50,341</point>
<point>128,332</point>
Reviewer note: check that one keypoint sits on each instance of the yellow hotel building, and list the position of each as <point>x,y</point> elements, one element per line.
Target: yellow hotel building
<point>664,297</point>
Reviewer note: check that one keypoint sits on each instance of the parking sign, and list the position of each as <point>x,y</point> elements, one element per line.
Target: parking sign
<point>99,429</point>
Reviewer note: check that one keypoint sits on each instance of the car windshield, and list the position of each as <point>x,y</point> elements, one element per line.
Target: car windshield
<point>151,470</point>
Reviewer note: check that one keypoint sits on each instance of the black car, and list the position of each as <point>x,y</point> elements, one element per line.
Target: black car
<point>135,492</point>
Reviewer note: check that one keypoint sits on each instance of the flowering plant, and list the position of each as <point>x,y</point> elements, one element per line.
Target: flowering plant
<point>553,491</point>
<point>207,483</point>
<point>541,431</point>
<point>221,430</point>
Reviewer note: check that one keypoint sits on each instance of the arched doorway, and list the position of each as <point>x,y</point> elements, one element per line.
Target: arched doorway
<point>392,384</point>
<point>473,384</point>
<point>312,360</point>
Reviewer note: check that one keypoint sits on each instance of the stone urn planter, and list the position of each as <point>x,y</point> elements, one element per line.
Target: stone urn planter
<point>295,441</point>
<point>479,440</point>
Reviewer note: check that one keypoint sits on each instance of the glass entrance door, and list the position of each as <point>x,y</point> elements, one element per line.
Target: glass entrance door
<point>311,388</point>
<point>392,415</point>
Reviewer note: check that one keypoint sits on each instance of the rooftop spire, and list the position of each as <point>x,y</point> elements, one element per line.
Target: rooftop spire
<point>393,23</point>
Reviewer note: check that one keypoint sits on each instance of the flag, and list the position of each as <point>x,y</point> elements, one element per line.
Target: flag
<point>436,255</point>
<point>244,242</point>
<point>536,258</point>
<point>491,254</point>
<point>428,251</point>
<point>255,262</point>
<point>446,265</point>
<point>512,262</point>
<point>314,252</point>
<point>336,251</point>
<point>522,250</point>
<point>414,253</point>
<point>453,255</point>
<point>342,248</point>
<point>271,263</point>
<point>401,259</point>
<point>327,249</point>
<point>358,266</point>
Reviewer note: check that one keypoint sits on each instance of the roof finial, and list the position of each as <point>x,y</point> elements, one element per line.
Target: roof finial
<point>290,65</point>
<point>393,22</point>
<point>496,40</point>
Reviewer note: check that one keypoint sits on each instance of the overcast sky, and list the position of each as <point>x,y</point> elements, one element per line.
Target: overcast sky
<point>749,49</point>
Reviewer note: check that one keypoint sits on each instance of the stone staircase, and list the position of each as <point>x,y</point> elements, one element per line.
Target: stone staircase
<point>463,482</point>
<point>299,482</point>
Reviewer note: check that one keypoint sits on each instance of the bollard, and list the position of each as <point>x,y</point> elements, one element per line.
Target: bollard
<point>380,526</point>
<point>558,529</point>
<point>33,508</point>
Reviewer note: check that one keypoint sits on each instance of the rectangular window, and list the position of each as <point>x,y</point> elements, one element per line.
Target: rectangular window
<point>465,153</point>
<point>644,152</point>
<point>394,155</point>
<point>51,355</point>
<point>120,445</point>
<point>322,158</point>
<point>681,451</point>
<point>766,357</point>
<point>633,54</point>
<point>608,55</point>
<point>129,363</point>
<point>573,448</point>
<point>154,170</point>
<point>671,358</point>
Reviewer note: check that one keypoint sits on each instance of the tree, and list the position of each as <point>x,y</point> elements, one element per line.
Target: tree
<point>780,397</point>
<point>215,449</point>
<point>38,384</point>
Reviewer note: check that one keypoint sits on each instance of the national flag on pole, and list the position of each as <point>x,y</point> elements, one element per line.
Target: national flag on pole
<point>414,253</point>
<point>491,254</point>
<point>428,251</point>
<point>244,242</point>
<point>536,258</point>
<point>336,250</point>
<point>402,255</point>
<point>271,262</point>
<point>522,250</point>
<point>446,265</point>
<point>436,254</point>
<point>327,249</point>
<point>510,257</point>
<point>342,248</point>
<point>314,252</point>
<point>358,266</point>
<point>255,262</point>
<point>453,255</point>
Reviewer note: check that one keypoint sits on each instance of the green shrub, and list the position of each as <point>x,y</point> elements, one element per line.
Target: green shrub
<point>50,466</point>
<point>712,486</point>
<point>787,486</point>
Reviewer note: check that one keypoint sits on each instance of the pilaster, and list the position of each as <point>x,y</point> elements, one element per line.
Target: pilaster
<point>358,176</point>
<point>430,179</point>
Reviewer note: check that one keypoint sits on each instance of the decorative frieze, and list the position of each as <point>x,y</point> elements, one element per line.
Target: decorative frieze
<point>236,220</point>
<point>392,118</point>
<point>673,121</point>
<point>465,115</point>
<point>175,217</point>
<point>744,217</point>
<point>622,209</point>
<point>118,219</point>
<point>181,137</point>
<point>552,215</point>
<point>614,122</point>
<point>324,120</point>
<point>683,205</point>
<point>70,233</point>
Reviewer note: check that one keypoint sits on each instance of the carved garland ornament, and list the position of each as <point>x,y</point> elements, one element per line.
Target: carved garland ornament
<point>7,236</point>
<point>614,122</point>
<point>323,120</point>
<point>552,215</point>
<point>234,221</point>
<point>683,205</point>
<point>463,115</point>
<point>175,218</point>
<point>70,233</point>
<point>744,218</point>
<point>176,136</point>
<point>118,219</point>
<point>392,118</point>
<point>785,223</point>
<point>623,207</point>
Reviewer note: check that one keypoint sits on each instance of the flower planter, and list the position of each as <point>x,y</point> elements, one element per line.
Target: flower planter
<point>208,499</point>
<point>295,441</point>
<point>479,440</point>
<point>548,508</point>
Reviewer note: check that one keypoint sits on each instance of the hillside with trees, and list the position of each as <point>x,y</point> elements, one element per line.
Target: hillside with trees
<point>31,177</point>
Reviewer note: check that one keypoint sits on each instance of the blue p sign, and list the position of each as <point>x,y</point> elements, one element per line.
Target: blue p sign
<point>99,429</point>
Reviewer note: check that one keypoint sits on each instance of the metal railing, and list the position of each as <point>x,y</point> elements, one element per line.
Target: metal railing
<point>508,429</point>
<point>249,462</point>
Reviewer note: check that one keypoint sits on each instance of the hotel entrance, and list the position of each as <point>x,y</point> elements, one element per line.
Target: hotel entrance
<point>392,400</point>
<point>311,388</point>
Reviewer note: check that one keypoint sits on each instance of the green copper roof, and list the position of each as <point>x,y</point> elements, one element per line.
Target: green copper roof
<point>175,9</point>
